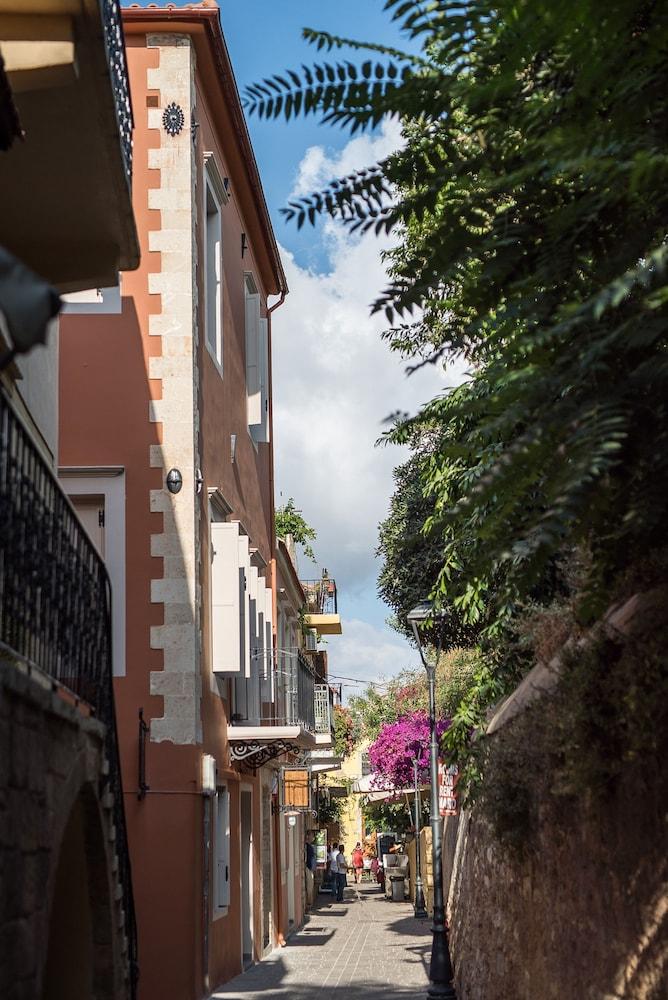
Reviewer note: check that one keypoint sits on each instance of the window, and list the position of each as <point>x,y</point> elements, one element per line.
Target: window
<point>366,765</point>
<point>221,846</point>
<point>213,258</point>
<point>215,197</point>
<point>98,495</point>
<point>257,364</point>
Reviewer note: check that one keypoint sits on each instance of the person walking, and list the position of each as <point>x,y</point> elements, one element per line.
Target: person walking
<point>341,871</point>
<point>333,867</point>
<point>357,859</point>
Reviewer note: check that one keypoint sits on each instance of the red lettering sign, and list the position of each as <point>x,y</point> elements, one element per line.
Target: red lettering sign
<point>448,776</point>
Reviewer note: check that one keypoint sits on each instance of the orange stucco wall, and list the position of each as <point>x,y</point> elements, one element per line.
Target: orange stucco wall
<point>105,392</point>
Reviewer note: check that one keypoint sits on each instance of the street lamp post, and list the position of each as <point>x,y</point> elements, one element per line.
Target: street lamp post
<point>420,910</point>
<point>440,967</point>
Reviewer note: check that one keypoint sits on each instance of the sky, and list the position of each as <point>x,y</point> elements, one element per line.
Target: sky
<point>335,381</point>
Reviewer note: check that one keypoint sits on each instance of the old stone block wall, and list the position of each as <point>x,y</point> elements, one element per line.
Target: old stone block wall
<point>581,915</point>
<point>51,769</point>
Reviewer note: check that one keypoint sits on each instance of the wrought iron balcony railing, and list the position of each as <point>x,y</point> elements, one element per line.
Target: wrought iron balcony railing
<point>300,700</point>
<point>324,709</point>
<point>320,596</point>
<point>55,606</point>
<point>118,70</point>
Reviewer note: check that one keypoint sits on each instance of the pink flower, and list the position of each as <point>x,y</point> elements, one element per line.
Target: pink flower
<point>398,744</point>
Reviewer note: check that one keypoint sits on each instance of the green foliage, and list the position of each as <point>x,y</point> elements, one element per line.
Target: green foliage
<point>532,203</point>
<point>604,728</point>
<point>344,736</point>
<point>395,816</point>
<point>407,693</point>
<point>412,557</point>
<point>290,521</point>
<point>329,809</point>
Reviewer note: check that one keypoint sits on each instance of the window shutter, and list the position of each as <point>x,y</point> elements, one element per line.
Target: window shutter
<point>225,606</point>
<point>244,616</point>
<point>262,432</point>
<point>269,643</point>
<point>253,338</point>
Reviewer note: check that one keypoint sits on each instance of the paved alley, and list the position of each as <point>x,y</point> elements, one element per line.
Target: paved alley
<point>355,950</point>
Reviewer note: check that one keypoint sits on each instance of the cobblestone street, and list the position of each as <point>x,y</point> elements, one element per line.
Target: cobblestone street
<point>362,949</point>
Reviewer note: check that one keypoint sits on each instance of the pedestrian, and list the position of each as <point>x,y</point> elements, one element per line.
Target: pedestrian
<point>341,870</point>
<point>310,859</point>
<point>358,862</point>
<point>333,866</point>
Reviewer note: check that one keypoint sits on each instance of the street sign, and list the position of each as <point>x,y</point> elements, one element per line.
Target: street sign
<point>448,776</point>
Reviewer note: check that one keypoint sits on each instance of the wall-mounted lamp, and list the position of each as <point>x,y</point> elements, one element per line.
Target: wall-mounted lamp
<point>244,244</point>
<point>199,481</point>
<point>174,481</point>
<point>233,447</point>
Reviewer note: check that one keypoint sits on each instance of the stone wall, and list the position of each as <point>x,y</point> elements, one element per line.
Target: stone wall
<point>574,906</point>
<point>60,933</point>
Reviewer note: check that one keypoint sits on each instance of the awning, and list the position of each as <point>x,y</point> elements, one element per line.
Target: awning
<point>256,745</point>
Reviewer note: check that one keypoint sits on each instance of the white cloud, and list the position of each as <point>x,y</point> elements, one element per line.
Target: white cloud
<point>318,168</point>
<point>335,383</point>
<point>366,653</point>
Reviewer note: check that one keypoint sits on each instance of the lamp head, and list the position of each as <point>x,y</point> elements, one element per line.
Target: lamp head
<point>421,613</point>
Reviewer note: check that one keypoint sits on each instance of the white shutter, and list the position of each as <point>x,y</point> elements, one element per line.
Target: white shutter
<point>262,432</point>
<point>253,338</point>
<point>225,608</point>
<point>269,643</point>
<point>255,637</point>
<point>244,629</point>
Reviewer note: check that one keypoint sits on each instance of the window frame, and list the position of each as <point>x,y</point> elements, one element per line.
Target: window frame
<point>221,807</point>
<point>108,482</point>
<point>213,187</point>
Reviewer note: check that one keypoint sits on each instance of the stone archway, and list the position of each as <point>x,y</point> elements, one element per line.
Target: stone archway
<point>80,951</point>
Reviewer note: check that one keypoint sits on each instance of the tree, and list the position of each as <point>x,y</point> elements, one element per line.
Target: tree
<point>398,744</point>
<point>413,557</point>
<point>532,202</point>
<point>290,521</point>
<point>407,693</point>
<point>344,737</point>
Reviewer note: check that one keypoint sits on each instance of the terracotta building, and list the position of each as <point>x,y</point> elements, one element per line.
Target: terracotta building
<point>166,453</point>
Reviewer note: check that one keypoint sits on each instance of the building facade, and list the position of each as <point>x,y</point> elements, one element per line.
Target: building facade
<point>166,454</point>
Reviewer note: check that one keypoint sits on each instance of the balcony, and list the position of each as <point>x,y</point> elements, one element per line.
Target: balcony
<point>322,606</point>
<point>324,714</point>
<point>55,609</point>
<point>68,214</point>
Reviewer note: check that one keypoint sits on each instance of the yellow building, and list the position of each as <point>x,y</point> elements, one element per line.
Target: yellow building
<point>351,820</point>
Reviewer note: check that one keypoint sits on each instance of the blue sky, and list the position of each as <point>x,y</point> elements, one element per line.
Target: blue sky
<point>264,38</point>
<point>335,381</point>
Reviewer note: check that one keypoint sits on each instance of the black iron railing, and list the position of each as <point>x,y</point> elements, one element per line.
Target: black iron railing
<point>55,606</point>
<point>118,69</point>
<point>300,701</point>
<point>320,596</point>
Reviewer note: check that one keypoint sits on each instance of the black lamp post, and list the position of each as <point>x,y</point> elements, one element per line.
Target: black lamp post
<point>440,967</point>
<point>420,910</point>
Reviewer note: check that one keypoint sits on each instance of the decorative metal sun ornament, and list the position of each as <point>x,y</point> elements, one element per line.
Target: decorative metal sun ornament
<point>173,119</point>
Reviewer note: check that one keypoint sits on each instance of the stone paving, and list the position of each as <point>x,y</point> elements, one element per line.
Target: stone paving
<point>362,949</point>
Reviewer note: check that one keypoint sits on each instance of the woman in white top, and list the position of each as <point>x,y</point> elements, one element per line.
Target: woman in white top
<point>341,870</point>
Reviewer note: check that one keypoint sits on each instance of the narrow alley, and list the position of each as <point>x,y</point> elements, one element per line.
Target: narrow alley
<point>352,950</point>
